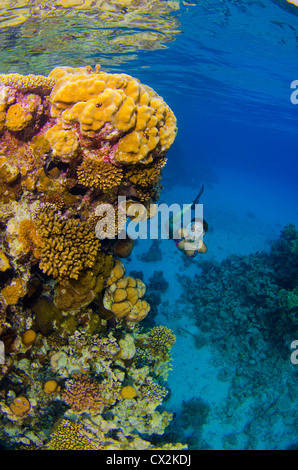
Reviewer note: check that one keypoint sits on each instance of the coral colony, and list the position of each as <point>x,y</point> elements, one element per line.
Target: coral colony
<point>79,372</point>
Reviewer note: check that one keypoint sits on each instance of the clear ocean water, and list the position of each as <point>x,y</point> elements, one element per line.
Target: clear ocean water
<point>225,68</point>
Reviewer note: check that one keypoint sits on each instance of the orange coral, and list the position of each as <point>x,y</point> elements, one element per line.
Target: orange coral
<point>20,406</point>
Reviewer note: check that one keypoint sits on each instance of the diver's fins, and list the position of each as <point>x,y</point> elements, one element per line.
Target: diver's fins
<point>196,200</point>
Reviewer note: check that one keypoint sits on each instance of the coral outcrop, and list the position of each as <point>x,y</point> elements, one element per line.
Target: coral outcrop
<point>78,373</point>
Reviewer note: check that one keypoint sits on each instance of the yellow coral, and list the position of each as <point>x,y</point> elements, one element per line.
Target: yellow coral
<point>73,294</point>
<point>28,238</point>
<point>161,338</point>
<point>68,246</point>
<point>146,175</point>
<point>70,436</point>
<point>14,291</point>
<point>99,174</point>
<point>51,386</point>
<point>28,337</point>
<point>4,262</point>
<point>37,83</point>
<point>64,143</point>
<point>8,173</point>
<point>128,392</point>
<point>17,118</point>
<point>114,104</point>
<point>123,296</point>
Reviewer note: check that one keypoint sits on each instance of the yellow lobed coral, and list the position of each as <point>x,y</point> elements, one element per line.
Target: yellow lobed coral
<point>99,174</point>
<point>68,246</point>
<point>64,143</point>
<point>123,296</point>
<point>96,99</point>
<point>17,118</point>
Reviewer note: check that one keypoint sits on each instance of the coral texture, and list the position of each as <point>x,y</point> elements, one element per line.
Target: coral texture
<point>78,375</point>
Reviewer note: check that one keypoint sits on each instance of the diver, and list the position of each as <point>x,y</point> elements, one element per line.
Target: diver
<point>189,239</point>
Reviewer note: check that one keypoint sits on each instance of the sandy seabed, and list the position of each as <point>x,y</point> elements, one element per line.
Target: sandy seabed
<point>244,216</point>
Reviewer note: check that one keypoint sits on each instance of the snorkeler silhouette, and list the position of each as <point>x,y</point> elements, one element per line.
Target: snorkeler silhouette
<point>189,239</point>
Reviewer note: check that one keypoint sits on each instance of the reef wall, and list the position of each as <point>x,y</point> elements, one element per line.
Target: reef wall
<point>79,372</point>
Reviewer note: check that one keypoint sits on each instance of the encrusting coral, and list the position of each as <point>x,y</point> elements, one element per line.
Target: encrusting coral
<point>77,369</point>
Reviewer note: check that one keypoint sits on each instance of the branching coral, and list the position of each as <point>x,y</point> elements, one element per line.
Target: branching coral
<point>83,393</point>
<point>146,175</point>
<point>68,246</point>
<point>70,436</point>
<point>161,338</point>
<point>73,294</point>
<point>37,83</point>
<point>99,174</point>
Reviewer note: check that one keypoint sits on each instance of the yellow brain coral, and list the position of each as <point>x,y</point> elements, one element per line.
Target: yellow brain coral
<point>124,295</point>
<point>114,104</point>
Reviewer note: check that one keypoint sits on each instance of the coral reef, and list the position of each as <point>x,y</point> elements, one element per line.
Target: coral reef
<point>78,373</point>
<point>255,296</point>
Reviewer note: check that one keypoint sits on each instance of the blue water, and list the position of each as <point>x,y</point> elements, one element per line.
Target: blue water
<point>227,76</point>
